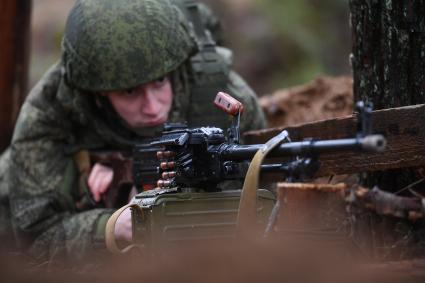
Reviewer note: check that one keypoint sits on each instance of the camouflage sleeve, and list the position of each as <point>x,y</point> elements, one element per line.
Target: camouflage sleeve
<point>43,182</point>
<point>6,233</point>
<point>253,117</point>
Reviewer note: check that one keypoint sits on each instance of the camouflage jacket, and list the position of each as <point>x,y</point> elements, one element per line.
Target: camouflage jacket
<point>41,176</point>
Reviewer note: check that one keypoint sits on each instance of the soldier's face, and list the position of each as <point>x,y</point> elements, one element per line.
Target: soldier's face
<point>144,106</point>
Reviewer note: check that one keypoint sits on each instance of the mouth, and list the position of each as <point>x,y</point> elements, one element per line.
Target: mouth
<point>155,121</point>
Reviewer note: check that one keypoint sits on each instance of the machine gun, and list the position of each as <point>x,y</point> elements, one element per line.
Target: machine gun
<point>178,174</point>
<point>203,157</point>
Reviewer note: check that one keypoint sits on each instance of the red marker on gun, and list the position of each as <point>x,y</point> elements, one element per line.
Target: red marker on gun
<point>228,104</point>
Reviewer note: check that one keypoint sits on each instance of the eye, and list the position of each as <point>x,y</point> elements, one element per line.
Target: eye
<point>161,81</point>
<point>130,92</point>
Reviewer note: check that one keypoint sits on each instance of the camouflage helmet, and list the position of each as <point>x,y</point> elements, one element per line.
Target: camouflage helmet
<point>115,45</point>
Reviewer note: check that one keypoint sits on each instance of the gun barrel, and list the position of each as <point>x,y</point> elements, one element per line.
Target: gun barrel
<point>371,143</point>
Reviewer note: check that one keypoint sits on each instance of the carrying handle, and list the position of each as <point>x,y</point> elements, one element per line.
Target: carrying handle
<point>247,213</point>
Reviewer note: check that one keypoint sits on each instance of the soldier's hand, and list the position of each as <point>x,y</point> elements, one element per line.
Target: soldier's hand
<point>123,230</point>
<point>100,179</point>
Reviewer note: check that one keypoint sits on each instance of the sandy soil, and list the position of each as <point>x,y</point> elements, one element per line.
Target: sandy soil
<point>322,98</point>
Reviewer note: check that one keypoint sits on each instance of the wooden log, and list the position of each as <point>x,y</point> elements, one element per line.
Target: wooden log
<point>14,56</point>
<point>311,209</point>
<point>385,203</point>
<point>403,127</point>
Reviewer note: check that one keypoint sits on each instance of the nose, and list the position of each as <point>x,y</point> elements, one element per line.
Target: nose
<point>150,104</point>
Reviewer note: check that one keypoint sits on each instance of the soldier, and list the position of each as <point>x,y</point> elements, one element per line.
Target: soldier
<point>127,67</point>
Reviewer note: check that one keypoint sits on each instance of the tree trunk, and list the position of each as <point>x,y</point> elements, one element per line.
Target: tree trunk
<point>388,57</point>
<point>388,61</point>
<point>15,18</point>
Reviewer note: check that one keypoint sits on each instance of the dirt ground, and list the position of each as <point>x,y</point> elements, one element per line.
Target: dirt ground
<point>322,98</point>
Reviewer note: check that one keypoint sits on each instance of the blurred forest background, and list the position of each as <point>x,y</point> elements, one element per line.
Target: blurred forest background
<point>277,43</point>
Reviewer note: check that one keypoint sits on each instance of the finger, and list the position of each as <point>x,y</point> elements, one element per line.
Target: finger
<point>95,189</point>
<point>105,182</point>
<point>99,180</point>
<point>94,174</point>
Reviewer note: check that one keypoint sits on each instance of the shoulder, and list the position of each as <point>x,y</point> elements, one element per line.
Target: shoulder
<point>46,88</point>
<point>41,110</point>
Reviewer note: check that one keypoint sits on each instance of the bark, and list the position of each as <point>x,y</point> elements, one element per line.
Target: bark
<point>388,61</point>
<point>14,56</point>
<point>388,56</point>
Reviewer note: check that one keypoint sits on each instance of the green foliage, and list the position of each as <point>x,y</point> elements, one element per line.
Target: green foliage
<point>315,35</point>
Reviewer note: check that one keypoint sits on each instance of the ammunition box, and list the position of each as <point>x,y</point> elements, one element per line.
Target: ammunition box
<point>168,218</point>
